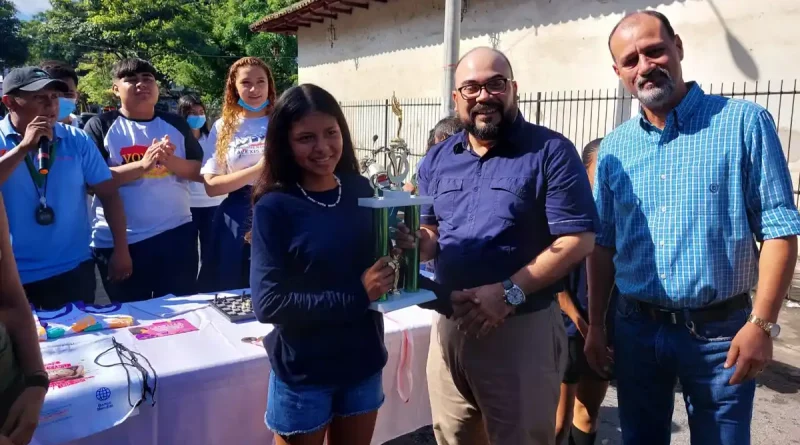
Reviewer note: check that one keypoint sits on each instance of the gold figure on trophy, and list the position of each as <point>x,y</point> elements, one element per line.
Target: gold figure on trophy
<point>397,112</point>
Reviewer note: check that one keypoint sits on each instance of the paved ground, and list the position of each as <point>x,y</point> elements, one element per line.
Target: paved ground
<point>777,397</point>
<point>776,408</point>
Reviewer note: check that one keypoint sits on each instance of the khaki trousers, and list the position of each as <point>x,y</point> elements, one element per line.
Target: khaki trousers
<point>502,389</point>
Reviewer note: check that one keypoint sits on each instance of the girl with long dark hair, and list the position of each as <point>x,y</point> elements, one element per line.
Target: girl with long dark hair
<point>238,140</point>
<point>313,276</point>
<point>203,207</point>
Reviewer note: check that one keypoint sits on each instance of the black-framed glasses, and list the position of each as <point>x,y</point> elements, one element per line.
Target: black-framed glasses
<point>494,86</point>
<point>129,359</point>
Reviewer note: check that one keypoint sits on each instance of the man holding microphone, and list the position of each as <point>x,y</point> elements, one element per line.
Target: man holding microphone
<point>47,208</point>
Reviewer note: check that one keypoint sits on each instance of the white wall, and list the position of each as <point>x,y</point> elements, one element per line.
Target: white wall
<point>553,45</point>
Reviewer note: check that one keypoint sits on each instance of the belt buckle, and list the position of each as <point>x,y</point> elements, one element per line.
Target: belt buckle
<point>672,316</point>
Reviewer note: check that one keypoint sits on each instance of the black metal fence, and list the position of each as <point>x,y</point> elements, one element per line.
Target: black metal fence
<point>581,115</point>
<point>370,118</point>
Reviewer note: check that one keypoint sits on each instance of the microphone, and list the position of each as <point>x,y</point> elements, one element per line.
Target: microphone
<point>43,156</point>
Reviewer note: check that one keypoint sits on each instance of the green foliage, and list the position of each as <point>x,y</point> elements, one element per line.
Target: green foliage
<point>95,84</point>
<point>14,47</point>
<point>191,42</point>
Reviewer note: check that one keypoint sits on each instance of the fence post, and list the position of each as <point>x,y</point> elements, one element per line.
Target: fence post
<point>538,107</point>
<point>385,132</point>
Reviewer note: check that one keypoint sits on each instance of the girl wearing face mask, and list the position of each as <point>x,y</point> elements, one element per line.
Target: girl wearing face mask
<point>68,102</point>
<point>203,207</point>
<point>238,139</point>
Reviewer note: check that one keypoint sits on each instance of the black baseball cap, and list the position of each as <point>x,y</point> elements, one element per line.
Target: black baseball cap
<point>31,78</point>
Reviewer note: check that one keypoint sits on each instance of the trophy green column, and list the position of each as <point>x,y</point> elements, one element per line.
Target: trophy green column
<point>411,214</point>
<point>380,224</point>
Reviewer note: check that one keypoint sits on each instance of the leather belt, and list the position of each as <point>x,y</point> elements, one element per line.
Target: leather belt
<point>715,312</point>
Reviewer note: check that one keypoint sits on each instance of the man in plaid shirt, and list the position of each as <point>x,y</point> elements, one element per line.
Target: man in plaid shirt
<point>684,190</point>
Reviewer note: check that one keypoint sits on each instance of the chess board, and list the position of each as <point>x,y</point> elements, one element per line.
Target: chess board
<point>234,307</point>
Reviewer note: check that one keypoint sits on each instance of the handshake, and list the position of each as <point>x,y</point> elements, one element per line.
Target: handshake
<point>478,310</point>
<point>481,309</point>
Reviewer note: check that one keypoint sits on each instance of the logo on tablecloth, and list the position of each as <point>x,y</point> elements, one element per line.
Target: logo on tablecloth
<point>103,394</point>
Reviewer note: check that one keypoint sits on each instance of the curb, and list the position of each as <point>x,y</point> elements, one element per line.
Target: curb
<point>794,293</point>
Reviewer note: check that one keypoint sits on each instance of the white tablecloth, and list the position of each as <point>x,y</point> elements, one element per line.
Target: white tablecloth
<point>212,387</point>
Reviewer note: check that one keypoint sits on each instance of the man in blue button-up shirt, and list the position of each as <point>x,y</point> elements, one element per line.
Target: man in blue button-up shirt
<point>512,214</point>
<point>47,213</point>
<point>684,191</point>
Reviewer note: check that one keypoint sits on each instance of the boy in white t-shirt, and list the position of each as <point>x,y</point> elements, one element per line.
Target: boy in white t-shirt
<point>153,157</point>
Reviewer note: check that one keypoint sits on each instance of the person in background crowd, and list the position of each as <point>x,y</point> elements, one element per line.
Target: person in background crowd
<point>203,207</point>
<point>153,156</point>
<point>238,137</point>
<point>582,390</point>
<point>48,213</point>
<point>441,131</point>
<point>684,191</point>
<point>68,101</point>
<point>23,379</point>
<point>512,215</point>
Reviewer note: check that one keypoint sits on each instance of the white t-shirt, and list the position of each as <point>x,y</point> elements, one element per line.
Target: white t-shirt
<point>159,200</point>
<point>197,191</point>
<point>245,149</point>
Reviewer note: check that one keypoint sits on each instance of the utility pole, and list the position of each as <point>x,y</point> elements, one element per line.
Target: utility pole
<point>452,40</point>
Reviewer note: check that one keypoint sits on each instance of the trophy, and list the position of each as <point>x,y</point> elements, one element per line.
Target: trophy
<point>389,195</point>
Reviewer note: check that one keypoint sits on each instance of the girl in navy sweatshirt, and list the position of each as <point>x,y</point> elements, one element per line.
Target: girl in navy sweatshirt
<point>313,276</point>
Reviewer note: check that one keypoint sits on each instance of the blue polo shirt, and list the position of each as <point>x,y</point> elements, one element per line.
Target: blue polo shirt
<point>46,251</point>
<point>497,213</point>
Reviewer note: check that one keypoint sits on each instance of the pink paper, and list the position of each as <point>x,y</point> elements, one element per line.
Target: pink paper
<point>162,329</point>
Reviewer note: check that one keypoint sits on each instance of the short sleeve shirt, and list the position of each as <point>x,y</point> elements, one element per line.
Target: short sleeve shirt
<point>159,200</point>
<point>497,213</point>
<point>244,150</point>
<point>46,251</point>
<point>197,191</point>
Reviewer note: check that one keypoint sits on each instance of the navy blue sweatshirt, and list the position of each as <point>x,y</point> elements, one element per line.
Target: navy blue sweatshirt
<point>305,274</point>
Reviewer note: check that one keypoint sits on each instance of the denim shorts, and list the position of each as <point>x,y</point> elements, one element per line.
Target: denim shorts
<point>300,409</point>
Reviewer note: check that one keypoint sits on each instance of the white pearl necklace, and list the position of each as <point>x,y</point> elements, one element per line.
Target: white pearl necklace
<point>339,198</point>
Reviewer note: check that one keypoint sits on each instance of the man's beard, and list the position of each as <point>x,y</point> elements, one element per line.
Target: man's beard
<point>660,93</point>
<point>488,131</point>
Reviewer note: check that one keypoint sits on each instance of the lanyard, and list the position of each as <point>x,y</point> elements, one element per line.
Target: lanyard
<point>40,180</point>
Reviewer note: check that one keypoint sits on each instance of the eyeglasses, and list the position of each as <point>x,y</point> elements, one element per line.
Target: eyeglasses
<point>130,359</point>
<point>473,90</point>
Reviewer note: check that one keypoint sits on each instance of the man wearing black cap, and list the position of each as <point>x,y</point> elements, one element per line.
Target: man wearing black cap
<point>46,201</point>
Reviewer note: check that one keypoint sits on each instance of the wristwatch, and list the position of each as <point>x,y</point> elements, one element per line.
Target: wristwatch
<point>38,379</point>
<point>772,329</point>
<point>513,294</point>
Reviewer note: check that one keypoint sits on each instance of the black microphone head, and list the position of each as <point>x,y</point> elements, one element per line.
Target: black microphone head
<point>43,156</point>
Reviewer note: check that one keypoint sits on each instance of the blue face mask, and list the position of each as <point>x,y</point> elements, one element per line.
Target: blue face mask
<point>196,122</point>
<point>253,109</point>
<point>65,108</point>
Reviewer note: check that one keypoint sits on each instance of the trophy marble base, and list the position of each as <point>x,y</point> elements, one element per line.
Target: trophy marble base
<point>402,300</point>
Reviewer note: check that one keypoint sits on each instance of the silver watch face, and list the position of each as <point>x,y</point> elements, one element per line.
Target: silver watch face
<point>515,296</point>
<point>774,331</point>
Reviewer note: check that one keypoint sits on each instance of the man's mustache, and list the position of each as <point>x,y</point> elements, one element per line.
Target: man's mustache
<point>653,76</point>
<point>485,108</point>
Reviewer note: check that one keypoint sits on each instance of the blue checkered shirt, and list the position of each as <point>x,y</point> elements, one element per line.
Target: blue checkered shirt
<point>683,207</point>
